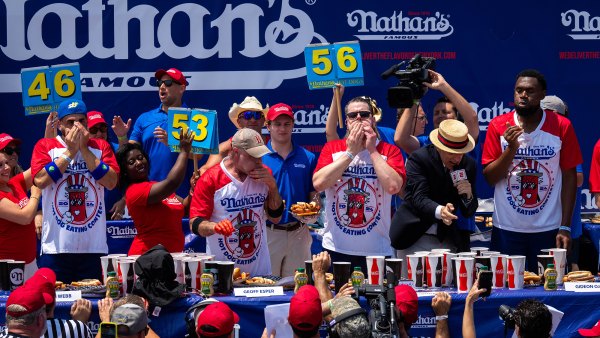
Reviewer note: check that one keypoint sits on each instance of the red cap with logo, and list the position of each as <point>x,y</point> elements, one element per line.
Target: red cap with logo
<point>279,109</point>
<point>174,73</point>
<point>94,118</point>
<point>217,319</point>
<point>28,297</point>
<point>5,139</point>
<point>407,302</point>
<point>305,309</point>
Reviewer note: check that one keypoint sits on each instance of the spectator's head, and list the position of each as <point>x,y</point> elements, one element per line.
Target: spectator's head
<point>532,319</point>
<point>44,281</point>
<point>419,122</point>
<point>248,148</point>
<point>248,114</point>
<point>5,168</point>
<point>133,163</point>
<point>354,326</point>
<point>362,109</point>
<point>408,304</point>
<point>452,141</point>
<point>97,126</point>
<point>71,112</point>
<point>26,312</point>
<point>216,321</point>
<point>131,320</point>
<point>305,315</point>
<point>530,89</point>
<point>593,332</point>
<point>128,299</point>
<point>171,85</point>
<point>280,123</point>
<point>554,103</point>
<point>444,109</point>
<point>12,148</point>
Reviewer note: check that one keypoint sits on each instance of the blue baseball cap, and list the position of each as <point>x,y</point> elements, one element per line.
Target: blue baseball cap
<point>70,107</point>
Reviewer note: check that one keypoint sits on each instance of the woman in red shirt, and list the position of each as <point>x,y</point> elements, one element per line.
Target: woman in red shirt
<point>155,209</point>
<point>17,231</point>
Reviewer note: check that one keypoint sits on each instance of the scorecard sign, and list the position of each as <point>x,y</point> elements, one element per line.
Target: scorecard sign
<point>44,88</point>
<point>328,64</point>
<point>202,122</point>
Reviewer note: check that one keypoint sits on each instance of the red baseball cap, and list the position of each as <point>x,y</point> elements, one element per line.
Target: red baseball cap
<point>174,73</point>
<point>5,139</point>
<point>94,118</point>
<point>28,297</point>
<point>305,309</point>
<point>279,109</point>
<point>220,317</point>
<point>593,332</point>
<point>407,302</point>
<point>43,285</point>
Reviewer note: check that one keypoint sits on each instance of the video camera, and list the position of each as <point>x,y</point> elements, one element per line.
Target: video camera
<point>383,317</point>
<point>507,314</point>
<point>411,78</point>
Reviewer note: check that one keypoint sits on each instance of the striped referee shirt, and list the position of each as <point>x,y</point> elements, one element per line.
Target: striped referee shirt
<point>61,328</point>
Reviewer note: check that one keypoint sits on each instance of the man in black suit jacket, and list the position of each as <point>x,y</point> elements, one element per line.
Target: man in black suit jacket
<point>440,179</point>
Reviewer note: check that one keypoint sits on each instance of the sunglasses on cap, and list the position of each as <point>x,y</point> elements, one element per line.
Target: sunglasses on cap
<point>11,150</point>
<point>167,83</point>
<point>103,128</point>
<point>249,114</point>
<point>363,114</point>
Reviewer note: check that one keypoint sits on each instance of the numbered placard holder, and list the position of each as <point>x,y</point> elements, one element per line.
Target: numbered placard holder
<point>43,88</point>
<point>203,122</point>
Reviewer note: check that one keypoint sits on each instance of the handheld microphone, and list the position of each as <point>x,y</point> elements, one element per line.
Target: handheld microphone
<point>458,175</point>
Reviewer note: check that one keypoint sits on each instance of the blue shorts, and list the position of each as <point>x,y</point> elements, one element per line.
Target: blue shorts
<point>521,243</point>
<point>73,267</point>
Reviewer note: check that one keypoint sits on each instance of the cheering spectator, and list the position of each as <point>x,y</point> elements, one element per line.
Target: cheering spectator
<point>72,170</point>
<point>25,313</point>
<point>440,303</point>
<point>292,166</point>
<point>359,174</point>
<point>17,229</point>
<point>217,320</point>
<point>305,315</point>
<point>529,156</point>
<point>11,147</point>
<point>236,199</point>
<point>43,280</point>
<point>248,114</point>
<point>131,320</point>
<point>155,209</point>
<point>407,304</point>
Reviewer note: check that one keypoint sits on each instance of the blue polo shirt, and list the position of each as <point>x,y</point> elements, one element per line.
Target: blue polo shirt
<point>161,157</point>
<point>293,176</point>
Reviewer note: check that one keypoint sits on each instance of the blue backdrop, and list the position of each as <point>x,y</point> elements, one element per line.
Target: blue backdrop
<point>231,49</point>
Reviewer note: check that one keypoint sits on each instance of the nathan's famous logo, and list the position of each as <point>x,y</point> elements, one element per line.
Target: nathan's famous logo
<point>245,241</point>
<point>583,25</point>
<point>486,113</point>
<point>103,29</point>
<point>529,184</point>
<point>400,25</point>
<point>79,202</point>
<point>358,206</point>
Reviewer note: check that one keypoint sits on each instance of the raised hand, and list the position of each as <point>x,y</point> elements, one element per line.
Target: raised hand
<point>511,135</point>
<point>119,127</point>
<point>185,139</point>
<point>52,122</point>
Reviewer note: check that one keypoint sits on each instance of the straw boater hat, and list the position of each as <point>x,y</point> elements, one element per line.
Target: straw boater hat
<point>452,136</point>
<point>249,103</point>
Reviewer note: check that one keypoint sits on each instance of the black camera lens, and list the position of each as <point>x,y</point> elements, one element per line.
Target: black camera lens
<point>507,315</point>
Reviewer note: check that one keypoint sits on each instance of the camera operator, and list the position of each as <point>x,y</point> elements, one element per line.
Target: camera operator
<point>530,319</point>
<point>447,107</point>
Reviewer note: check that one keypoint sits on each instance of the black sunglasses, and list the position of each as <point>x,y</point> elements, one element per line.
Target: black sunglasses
<point>103,128</point>
<point>363,114</point>
<point>249,114</point>
<point>167,83</point>
<point>11,150</point>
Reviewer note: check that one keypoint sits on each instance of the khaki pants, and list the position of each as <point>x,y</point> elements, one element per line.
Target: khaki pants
<point>288,250</point>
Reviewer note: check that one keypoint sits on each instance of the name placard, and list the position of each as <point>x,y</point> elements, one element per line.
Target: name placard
<point>582,287</point>
<point>261,291</point>
<point>67,296</point>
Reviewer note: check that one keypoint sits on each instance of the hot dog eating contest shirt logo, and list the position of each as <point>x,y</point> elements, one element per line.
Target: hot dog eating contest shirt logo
<point>357,209</point>
<point>246,239</point>
<point>76,205</point>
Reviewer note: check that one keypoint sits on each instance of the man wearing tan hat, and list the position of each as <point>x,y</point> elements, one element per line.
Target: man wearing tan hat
<point>248,114</point>
<point>440,179</point>
<point>235,200</point>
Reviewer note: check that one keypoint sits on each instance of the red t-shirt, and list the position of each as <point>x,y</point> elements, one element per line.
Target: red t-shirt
<point>595,170</point>
<point>158,223</point>
<point>17,241</point>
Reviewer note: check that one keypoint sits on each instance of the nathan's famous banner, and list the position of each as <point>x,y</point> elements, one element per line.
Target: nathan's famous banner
<point>232,49</point>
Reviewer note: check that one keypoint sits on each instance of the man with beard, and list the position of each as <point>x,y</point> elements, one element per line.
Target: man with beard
<point>529,156</point>
<point>359,175</point>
